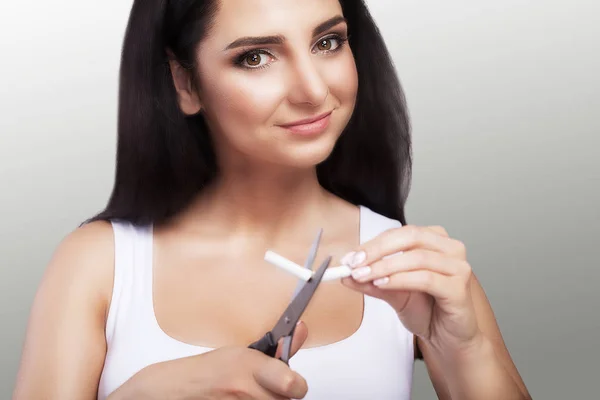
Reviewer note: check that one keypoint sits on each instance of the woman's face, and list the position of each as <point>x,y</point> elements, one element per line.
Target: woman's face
<point>269,63</point>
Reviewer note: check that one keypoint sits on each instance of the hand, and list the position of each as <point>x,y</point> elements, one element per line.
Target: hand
<point>424,275</point>
<point>224,373</point>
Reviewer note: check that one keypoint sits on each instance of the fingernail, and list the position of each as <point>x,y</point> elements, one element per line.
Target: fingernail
<point>347,259</point>
<point>361,272</point>
<point>358,258</point>
<point>381,281</point>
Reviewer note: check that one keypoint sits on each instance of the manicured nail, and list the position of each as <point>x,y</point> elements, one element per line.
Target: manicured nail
<point>381,281</point>
<point>358,258</point>
<point>361,272</point>
<point>347,259</point>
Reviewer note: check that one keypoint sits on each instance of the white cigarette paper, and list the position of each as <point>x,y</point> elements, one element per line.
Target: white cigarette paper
<point>287,265</point>
<point>331,273</point>
<point>337,273</point>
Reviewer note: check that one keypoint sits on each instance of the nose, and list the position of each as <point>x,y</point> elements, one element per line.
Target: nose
<point>307,85</point>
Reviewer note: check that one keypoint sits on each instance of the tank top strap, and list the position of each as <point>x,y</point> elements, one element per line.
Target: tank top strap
<point>132,284</point>
<point>373,224</point>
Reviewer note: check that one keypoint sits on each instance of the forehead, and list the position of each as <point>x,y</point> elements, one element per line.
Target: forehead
<point>237,18</point>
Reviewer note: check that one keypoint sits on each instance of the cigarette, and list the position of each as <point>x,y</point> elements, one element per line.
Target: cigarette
<point>331,273</point>
<point>287,265</point>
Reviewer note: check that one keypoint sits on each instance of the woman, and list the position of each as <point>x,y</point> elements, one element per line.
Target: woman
<point>246,126</point>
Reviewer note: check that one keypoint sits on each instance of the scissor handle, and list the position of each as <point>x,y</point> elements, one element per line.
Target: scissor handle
<point>266,345</point>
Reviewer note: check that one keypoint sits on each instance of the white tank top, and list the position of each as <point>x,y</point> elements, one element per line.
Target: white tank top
<point>375,362</point>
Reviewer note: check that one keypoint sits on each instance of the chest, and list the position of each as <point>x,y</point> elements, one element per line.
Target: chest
<point>357,348</point>
<point>374,362</point>
<point>217,298</point>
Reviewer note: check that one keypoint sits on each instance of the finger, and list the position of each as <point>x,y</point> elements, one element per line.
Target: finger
<point>367,288</point>
<point>398,297</point>
<point>442,287</point>
<point>278,378</point>
<point>410,261</point>
<point>397,240</point>
<point>257,391</point>
<point>300,335</point>
<point>440,230</point>
<point>457,248</point>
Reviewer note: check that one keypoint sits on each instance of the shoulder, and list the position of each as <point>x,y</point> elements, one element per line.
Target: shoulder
<point>373,223</point>
<point>65,332</point>
<point>83,263</point>
<point>86,246</point>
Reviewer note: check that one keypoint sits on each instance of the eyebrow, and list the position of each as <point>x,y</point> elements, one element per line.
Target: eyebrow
<point>279,39</point>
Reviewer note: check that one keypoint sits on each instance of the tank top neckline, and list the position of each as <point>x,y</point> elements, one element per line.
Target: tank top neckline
<point>156,328</point>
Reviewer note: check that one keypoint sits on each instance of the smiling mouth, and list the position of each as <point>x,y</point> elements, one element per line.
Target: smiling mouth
<point>306,121</point>
<point>310,126</point>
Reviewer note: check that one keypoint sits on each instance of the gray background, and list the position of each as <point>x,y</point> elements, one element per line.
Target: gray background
<point>504,98</point>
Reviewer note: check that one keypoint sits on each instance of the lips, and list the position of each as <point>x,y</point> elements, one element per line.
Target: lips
<point>306,120</point>
<point>309,127</point>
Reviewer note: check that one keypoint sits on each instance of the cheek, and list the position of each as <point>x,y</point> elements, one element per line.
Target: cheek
<point>343,80</point>
<point>244,99</point>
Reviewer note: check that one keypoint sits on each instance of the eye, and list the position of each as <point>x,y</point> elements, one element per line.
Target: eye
<point>332,43</point>
<point>257,59</point>
<point>254,59</point>
<point>324,44</point>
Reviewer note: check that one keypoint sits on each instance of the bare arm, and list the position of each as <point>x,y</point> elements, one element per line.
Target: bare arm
<point>487,371</point>
<point>65,345</point>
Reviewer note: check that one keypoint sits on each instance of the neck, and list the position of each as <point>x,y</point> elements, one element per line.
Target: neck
<point>263,203</point>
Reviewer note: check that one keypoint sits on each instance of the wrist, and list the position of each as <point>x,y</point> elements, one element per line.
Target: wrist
<point>143,385</point>
<point>474,371</point>
<point>459,354</point>
<point>129,390</point>
<point>466,356</point>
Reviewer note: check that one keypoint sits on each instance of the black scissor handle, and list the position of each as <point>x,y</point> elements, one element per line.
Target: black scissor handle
<point>266,345</point>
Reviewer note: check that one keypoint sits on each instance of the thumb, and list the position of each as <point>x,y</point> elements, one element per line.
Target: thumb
<point>300,335</point>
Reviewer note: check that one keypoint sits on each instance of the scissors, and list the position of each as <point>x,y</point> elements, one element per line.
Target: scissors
<point>285,326</point>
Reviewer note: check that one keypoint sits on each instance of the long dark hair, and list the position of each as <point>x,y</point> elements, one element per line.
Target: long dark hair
<point>165,158</point>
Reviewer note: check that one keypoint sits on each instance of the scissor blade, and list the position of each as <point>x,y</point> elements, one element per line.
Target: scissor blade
<point>287,340</point>
<point>309,261</point>
<point>313,251</point>
<point>294,311</point>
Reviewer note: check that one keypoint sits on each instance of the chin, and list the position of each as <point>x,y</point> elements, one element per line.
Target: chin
<point>308,154</point>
